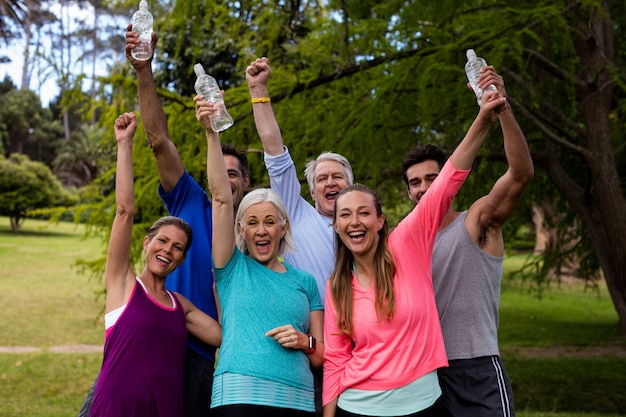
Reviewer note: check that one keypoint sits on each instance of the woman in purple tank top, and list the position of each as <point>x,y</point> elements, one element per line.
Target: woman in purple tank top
<point>146,325</point>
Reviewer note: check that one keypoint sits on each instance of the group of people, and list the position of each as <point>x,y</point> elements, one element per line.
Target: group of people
<point>323,310</point>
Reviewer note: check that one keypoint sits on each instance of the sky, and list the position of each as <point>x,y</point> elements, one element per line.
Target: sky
<point>48,90</point>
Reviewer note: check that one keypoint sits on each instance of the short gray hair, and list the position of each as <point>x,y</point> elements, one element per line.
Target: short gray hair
<point>309,169</point>
<point>262,195</point>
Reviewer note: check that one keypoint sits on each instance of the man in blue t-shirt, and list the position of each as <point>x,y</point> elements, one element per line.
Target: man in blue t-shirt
<point>186,199</point>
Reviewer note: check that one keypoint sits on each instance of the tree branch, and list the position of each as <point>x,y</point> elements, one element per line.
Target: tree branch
<point>547,131</point>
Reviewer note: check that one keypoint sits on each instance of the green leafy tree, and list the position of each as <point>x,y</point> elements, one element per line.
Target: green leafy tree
<point>370,79</point>
<point>28,128</point>
<point>77,160</point>
<point>26,185</point>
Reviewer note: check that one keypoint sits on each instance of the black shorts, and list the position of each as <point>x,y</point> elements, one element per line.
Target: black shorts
<point>198,384</point>
<point>432,411</point>
<point>249,410</point>
<point>476,387</point>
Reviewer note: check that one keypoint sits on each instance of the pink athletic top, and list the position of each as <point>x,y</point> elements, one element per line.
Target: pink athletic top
<point>392,354</point>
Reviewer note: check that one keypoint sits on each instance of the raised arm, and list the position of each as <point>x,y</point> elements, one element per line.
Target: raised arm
<point>118,274</point>
<point>497,206</point>
<point>221,194</point>
<point>168,162</point>
<point>493,104</point>
<point>257,76</point>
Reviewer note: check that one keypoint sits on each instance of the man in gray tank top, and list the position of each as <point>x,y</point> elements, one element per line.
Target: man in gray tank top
<point>467,272</point>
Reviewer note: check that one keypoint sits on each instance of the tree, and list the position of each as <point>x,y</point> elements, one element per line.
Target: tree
<point>26,185</point>
<point>29,128</point>
<point>11,11</point>
<point>77,160</point>
<point>371,78</point>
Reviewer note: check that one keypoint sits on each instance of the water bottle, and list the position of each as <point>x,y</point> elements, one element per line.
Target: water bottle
<point>208,87</point>
<point>472,70</point>
<point>142,24</point>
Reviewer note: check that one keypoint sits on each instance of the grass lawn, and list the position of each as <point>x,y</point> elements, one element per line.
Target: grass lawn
<point>566,318</point>
<point>47,302</point>
<point>45,384</point>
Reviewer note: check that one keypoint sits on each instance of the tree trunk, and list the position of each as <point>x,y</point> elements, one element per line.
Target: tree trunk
<point>542,233</point>
<point>27,40</point>
<point>606,194</point>
<point>14,218</point>
<point>600,202</point>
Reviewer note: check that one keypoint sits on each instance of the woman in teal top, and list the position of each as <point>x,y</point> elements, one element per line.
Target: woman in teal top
<point>272,314</point>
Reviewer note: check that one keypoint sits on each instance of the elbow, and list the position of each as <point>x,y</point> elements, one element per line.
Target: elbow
<point>527,175</point>
<point>124,211</point>
<point>218,338</point>
<point>523,176</point>
<point>316,361</point>
<point>220,196</point>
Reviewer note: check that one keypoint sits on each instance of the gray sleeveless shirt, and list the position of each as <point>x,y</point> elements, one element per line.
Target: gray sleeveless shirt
<point>467,282</point>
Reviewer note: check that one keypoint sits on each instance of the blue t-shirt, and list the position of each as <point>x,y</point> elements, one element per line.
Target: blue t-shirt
<point>255,299</point>
<point>193,278</point>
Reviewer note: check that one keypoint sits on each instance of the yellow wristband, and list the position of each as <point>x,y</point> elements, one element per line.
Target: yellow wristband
<point>260,100</point>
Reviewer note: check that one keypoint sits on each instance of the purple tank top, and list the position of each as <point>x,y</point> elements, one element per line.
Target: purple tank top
<point>143,363</point>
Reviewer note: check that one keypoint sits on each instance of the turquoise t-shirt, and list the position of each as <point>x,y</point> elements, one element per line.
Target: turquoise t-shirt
<point>255,299</point>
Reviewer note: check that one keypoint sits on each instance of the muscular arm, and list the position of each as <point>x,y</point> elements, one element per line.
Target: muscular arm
<point>257,75</point>
<point>168,162</point>
<point>487,215</point>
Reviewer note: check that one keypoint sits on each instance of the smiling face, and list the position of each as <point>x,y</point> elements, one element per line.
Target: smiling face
<point>420,177</point>
<point>357,222</point>
<point>330,178</point>
<point>165,251</point>
<point>238,182</point>
<point>263,231</point>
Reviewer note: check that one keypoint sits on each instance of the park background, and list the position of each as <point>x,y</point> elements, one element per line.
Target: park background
<point>366,78</point>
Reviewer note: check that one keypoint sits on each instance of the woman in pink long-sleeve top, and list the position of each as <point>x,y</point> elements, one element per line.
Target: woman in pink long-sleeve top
<point>383,341</point>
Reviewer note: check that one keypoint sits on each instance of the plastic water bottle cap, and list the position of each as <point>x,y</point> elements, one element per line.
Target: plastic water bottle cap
<point>198,70</point>
<point>471,54</point>
<point>143,4</point>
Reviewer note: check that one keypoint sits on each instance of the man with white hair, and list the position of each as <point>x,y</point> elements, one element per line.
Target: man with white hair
<point>328,174</point>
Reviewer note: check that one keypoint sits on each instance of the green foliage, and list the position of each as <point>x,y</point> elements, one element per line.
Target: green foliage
<point>77,160</point>
<point>363,84</point>
<point>27,185</point>
<point>201,37</point>
<point>26,127</point>
<point>370,79</point>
